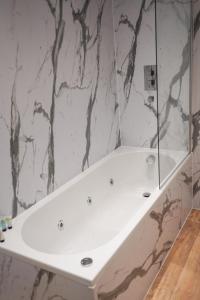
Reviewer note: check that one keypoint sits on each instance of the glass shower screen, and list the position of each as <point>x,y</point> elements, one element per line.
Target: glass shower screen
<point>173,24</point>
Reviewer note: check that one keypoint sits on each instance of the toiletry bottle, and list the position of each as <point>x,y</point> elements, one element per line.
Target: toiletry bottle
<point>2,238</point>
<point>3,224</point>
<point>9,222</point>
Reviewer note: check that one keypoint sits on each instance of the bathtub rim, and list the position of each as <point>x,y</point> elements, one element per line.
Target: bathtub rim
<point>86,276</point>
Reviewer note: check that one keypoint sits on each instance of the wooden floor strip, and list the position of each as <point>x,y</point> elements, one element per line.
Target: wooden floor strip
<point>179,278</point>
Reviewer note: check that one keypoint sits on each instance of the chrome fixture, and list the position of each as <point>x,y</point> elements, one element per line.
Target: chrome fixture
<point>150,100</point>
<point>146,194</point>
<point>61,225</point>
<point>89,200</point>
<point>150,78</point>
<point>86,261</point>
<point>150,160</point>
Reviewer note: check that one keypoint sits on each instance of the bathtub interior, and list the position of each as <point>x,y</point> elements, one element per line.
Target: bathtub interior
<point>100,204</point>
<point>96,207</point>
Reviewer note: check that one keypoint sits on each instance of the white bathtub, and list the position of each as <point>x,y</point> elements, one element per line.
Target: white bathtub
<point>90,216</point>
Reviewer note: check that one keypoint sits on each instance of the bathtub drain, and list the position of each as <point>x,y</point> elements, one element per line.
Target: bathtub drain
<point>86,261</point>
<point>146,194</point>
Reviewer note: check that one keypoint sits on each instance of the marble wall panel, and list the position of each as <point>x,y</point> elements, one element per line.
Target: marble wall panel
<point>59,111</point>
<point>173,55</point>
<point>134,29</point>
<point>19,280</point>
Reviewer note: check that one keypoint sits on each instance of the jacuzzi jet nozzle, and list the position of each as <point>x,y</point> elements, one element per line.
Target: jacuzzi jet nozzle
<point>146,194</point>
<point>111,181</point>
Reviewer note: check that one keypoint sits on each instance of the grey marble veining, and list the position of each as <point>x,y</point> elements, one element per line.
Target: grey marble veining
<point>134,28</point>
<point>59,110</point>
<point>19,280</point>
<point>125,277</point>
<point>173,73</point>
<point>135,47</point>
<point>63,99</point>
